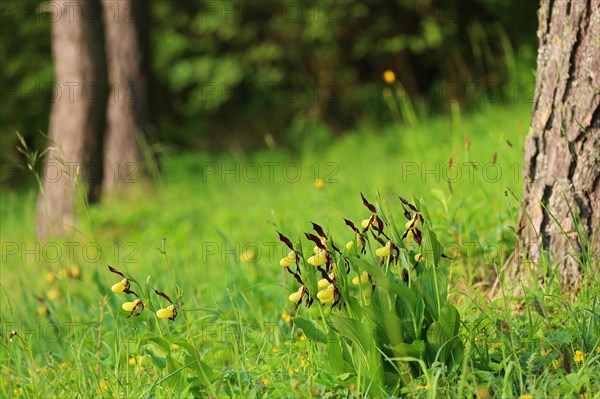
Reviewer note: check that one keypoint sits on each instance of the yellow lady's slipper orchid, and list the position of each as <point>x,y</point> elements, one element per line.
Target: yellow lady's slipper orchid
<point>349,245</point>
<point>323,283</point>
<point>50,277</point>
<point>165,313</point>
<point>419,257</point>
<point>74,271</point>
<point>364,278</point>
<point>120,286</point>
<point>409,235</point>
<point>296,296</point>
<point>326,295</point>
<point>288,260</point>
<point>384,251</point>
<point>318,259</point>
<point>129,306</point>
<point>414,222</point>
<point>365,223</point>
<point>53,294</point>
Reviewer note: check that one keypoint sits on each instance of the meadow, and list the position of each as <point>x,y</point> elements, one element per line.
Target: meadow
<point>204,231</point>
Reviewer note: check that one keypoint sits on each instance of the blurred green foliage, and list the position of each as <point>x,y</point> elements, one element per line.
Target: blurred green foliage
<point>233,71</point>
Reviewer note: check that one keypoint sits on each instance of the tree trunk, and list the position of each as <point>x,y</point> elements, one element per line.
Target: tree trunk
<point>562,150</point>
<point>78,113</point>
<point>127,104</point>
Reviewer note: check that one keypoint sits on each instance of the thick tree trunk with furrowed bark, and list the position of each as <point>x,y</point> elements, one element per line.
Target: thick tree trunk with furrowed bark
<point>560,209</point>
<point>127,102</point>
<point>78,114</point>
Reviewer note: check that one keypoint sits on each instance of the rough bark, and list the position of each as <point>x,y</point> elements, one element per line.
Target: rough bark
<point>78,113</point>
<point>562,150</point>
<point>127,116</point>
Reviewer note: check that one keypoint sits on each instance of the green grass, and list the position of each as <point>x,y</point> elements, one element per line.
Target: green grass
<point>230,338</point>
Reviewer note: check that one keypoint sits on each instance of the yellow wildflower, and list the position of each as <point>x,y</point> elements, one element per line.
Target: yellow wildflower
<point>419,257</point>
<point>389,76</point>
<point>265,381</point>
<point>165,313</point>
<point>319,183</point>
<point>555,364</point>
<point>598,349</point>
<point>527,396</point>
<point>423,386</point>
<point>286,317</point>
<point>365,223</point>
<point>578,356</point>
<point>545,352</point>
<point>384,251</point>
<point>349,245</point>
<point>496,345</point>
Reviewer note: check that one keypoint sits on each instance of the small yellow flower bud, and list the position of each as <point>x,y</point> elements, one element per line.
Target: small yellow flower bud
<point>129,306</point>
<point>120,286</point>
<point>319,183</point>
<point>384,251</point>
<point>364,278</point>
<point>131,361</point>
<point>296,296</point>
<point>389,76</point>
<point>165,313</point>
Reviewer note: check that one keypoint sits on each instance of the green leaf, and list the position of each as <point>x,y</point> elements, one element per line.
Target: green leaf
<point>414,349</point>
<point>432,285</point>
<point>309,329</point>
<point>442,334</point>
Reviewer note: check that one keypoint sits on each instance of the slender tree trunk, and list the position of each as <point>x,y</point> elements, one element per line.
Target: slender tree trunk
<point>78,114</point>
<point>560,209</point>
<point>127,104</point>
